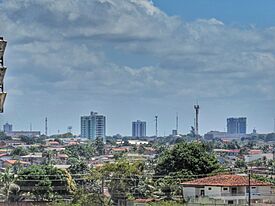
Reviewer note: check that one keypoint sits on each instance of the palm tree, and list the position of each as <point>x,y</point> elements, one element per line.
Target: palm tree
<point>9,190</point>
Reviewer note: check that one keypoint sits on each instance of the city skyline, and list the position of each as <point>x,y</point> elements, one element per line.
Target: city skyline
<point>162,56</point>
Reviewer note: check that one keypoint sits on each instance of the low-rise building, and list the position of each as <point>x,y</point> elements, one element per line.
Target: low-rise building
<point>226,189</point>
<point>23,133</point>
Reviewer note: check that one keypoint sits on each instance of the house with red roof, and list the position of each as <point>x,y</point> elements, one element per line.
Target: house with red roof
<point>227,189</point>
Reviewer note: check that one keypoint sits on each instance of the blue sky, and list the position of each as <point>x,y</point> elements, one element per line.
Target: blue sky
<point>131,59</point>
<point>233,12</point>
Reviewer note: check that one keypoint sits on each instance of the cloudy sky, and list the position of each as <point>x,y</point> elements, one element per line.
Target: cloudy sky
<point>132,59</point>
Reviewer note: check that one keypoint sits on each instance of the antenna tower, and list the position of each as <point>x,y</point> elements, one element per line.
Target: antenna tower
<point>156,119</point>
<point>46,126</point>
<point>197,108</point>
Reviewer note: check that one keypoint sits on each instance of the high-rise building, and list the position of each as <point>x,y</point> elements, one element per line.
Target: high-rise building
<point>7,127</point>
<point>93,126</point>
<point>236,125</point>
<point>139,129</point>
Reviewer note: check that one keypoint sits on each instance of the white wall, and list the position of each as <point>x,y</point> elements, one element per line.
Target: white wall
<point>264,190</point>
<point>212,191</point>
<point>189,191</point>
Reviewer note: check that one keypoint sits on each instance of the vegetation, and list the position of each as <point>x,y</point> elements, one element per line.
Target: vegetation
<point>79,151</point>
<point>187,158</point>
<point>45,181</point>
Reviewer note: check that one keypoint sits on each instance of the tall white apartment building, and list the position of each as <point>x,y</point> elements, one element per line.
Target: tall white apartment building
<point>93,126</point>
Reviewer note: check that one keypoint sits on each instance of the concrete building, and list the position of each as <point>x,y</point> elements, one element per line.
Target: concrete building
<point>93,126</point>
<point>236,125</point>
<point>139,129</point>
<point>7,127</point>
<point>23,133</point>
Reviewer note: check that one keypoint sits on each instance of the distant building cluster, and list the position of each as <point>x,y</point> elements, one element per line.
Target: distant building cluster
<point>236,128</point>
<point>7,128</point>
<point>139,129</point>
<point>93,126</point>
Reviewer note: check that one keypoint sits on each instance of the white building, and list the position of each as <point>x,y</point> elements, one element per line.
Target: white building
<point>254,157</point>
<point>227,189</point>
<point>93,126</point>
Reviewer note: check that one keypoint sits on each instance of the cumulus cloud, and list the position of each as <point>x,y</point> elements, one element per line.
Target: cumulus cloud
<point>65,48</point>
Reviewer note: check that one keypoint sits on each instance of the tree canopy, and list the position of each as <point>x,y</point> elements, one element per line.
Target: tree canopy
<point>191,158</point>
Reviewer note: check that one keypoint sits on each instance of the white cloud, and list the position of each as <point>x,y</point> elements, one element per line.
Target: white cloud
<point>66,48</point>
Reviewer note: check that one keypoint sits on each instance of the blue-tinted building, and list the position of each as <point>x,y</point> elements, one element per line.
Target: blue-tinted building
<point>139,129</point>
<point>236,125</point>
<point>93,126</point>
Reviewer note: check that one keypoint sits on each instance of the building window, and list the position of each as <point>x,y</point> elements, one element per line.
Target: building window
<point>209,188</point>
<point>230,202</point>
<point>225,188</point>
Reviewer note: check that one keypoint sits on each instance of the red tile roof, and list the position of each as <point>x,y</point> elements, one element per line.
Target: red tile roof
<point>225,180</point>
<point>53,142</point>
<point>119,149</point>
<point>3,154</point>
<point>12,162</point>
<point>255,151</point>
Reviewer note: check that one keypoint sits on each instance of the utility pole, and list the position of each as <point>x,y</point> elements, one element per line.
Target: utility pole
<point>249,189</point>
<point>156,119</point>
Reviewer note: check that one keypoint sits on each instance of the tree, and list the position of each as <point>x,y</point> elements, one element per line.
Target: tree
<point>19,151</point>
<point>187,158</point>
<point>240,163</point>
<point>9,190</point>
<point>99,146</point>
<point>3,136</point>
<point>77,166</point>
<point>43,181</point>
<point>81,151</point>
<point>124,178</point>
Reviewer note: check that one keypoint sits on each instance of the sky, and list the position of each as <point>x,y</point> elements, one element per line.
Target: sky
<point>134,59</point>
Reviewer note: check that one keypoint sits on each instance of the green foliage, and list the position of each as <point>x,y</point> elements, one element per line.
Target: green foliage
<point>85,151</point>
<point>187,158</point>
<point>77,166</point>
<point>141,149</point>
<point>19,151</point>
<point>65,135</point>
<point>43,181</point>
<point>232,145</point>
<point>240,163</point>
<point>124,178</point>
<point>3,136</point>
<point>33,140</point>
<point>99,146</point>
<point>9,189</point>
<point>263,178</point>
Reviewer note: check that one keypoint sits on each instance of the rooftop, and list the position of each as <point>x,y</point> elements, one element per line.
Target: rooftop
<point>225,180</point>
